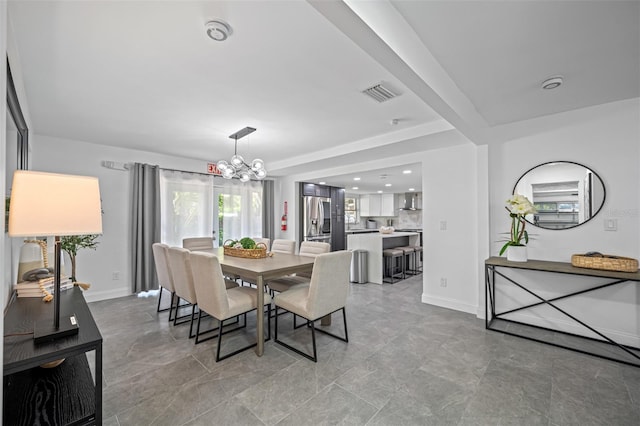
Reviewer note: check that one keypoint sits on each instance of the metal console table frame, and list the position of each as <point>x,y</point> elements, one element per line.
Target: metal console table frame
<point>491,272</point>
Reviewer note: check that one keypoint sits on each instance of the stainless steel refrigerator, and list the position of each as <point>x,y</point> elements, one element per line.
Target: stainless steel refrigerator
<point>316,219</point>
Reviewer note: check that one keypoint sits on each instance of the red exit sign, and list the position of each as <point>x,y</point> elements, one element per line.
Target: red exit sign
<point>213,169</point>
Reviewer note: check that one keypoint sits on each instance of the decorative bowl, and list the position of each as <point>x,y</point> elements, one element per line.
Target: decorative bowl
<point>386,229</point>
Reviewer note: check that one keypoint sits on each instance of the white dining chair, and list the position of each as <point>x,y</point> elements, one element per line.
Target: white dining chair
<point>198,243</point>
<point>183,283</point>
<point>308,249</point>
<point>165,280</point>
<point>222,303</point>
<point>327,293</point>
<point>283,246</point>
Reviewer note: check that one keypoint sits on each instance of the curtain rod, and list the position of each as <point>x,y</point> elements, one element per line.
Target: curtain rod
<point>126,166</point>
<point>205,174</point>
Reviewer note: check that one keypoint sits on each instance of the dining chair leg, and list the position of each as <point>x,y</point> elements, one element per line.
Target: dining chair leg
<point>160,299</point>
<point>173,296</point>
<point>193,314</point>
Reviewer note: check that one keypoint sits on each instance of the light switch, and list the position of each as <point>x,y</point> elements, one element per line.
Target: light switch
<point>611,224</point>
<point>443,225</point>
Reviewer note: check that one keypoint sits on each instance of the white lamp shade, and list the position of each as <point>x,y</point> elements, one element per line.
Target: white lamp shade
<point>45,204</point>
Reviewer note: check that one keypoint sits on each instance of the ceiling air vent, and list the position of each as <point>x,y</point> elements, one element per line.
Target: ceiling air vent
<point>380,93</point>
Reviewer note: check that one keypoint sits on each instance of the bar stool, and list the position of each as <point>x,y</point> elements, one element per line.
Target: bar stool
<point>408,260</point>
<point>418,260</point>
<point>391,256</point>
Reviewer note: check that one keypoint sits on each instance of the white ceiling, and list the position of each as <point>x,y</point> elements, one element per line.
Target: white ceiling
<point>144,75</point>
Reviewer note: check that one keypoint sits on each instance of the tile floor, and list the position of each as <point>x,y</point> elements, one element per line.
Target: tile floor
<point>406,363</point>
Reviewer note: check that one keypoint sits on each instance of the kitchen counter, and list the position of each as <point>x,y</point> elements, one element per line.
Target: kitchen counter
<point>361,231</point>
<point>374,243</point>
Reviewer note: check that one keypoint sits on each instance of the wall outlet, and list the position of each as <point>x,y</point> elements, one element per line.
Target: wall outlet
<point>443,282</point>
<point>611,224</point>
<point>115,275</point>
<point>443,225</point>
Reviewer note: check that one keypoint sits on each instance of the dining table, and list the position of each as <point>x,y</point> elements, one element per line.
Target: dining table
<point>259,271</point>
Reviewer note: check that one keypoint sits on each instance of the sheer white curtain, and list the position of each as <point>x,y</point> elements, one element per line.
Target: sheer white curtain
<point>186,201</point>
<point>240,207</point>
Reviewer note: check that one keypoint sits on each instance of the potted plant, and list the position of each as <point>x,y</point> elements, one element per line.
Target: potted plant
<point>71,244</point>
<point>518,207</point>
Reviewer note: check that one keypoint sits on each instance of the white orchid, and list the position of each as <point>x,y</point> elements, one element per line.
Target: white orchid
<point>518,207</point>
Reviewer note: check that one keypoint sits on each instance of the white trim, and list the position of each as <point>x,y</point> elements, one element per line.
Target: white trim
<point>570,327</point>
<point>449,304</point>
<point>96,296</point>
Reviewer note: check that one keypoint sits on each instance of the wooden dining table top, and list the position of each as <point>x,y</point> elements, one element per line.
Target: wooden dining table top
<point>277,265</point>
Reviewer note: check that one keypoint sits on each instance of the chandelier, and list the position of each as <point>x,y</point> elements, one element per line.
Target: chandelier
<point>237,167</point>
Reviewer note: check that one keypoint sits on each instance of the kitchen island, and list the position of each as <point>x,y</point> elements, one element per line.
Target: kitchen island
<point>375,243</point>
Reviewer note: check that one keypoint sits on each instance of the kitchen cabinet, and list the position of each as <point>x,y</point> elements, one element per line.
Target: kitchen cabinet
<point>313,190</point>
<point>388,205</point>
<point>375,205</point>
<point>337,219</point>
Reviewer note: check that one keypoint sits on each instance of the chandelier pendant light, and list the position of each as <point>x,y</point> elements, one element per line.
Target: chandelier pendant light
<point>237,167</point>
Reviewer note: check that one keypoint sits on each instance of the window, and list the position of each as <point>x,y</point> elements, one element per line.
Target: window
<point>186,201</point>
<point>350,211</point>
<point>239,209</point>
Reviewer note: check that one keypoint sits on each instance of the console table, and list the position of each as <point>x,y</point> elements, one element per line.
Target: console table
<point>63,395</point>
<point>605,347</point>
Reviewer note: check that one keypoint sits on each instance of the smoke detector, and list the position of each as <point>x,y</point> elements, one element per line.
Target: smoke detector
<point>218,30</point>
<point>552,82</point>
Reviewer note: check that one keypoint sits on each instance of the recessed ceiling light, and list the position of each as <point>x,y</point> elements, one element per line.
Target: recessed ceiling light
<point>412,189</point>
<point>354,187</point>
<point>406,172</point>
<point>387,184</point>
<point>322,183</point>
<point>356,178</point>
<point>379,192</point>
<point>552,82</point>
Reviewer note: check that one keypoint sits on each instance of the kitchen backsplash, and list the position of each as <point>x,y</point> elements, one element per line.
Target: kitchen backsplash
<point>409,219</point>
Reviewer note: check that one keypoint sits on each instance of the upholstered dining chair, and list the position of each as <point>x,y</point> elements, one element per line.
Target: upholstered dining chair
<point>183,282</point>
<point>283,246</point>
<point>327,293</point>
<point>164,275</point>
<point>309,249</point>
<point>220,302</point>
<point>198,243</point>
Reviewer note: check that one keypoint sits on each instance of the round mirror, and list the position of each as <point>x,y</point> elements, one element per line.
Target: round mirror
<point>565,194</point>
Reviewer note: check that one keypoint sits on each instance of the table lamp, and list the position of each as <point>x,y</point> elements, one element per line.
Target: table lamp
<point>49,204</point>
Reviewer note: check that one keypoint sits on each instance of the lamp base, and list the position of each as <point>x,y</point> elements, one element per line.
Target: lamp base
<point>44,331</point>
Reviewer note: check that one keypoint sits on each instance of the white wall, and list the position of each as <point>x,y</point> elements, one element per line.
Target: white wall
<point>112,254</point>
<point>606,139</point>
<point>450,192</point>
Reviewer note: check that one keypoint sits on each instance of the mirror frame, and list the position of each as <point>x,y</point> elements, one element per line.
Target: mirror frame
<point>604,193</point>
<point>13,105</point>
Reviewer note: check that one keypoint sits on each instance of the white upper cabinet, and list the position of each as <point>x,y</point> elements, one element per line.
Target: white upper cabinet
<point>375,205</point>
<point>388,207</point>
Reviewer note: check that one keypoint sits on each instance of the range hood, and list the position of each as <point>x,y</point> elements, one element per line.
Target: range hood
<point>412,201</point>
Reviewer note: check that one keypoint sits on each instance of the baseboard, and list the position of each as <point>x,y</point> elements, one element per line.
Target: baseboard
<point>449,304</point>
<point>569,327</point>
<point>95,296</point>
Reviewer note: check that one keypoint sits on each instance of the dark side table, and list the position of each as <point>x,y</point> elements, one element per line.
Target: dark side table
<point>63,395</point>
<point>604,346</point>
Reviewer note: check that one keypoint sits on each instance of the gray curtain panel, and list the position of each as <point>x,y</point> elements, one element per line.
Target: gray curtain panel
<point>268,218</point>
<point>145,225</point>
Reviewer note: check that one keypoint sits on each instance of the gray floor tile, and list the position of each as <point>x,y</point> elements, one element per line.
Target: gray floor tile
<point>406,363</point>
<point>334,406</point>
